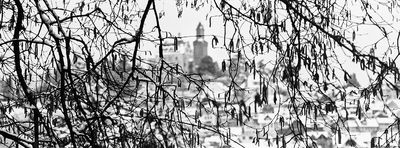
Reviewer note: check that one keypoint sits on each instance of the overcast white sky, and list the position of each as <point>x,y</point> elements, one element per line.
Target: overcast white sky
<point>186,26</point>
<point>187,23</point>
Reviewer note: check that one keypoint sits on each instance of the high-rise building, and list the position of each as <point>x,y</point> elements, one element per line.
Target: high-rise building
<point>199,45</point>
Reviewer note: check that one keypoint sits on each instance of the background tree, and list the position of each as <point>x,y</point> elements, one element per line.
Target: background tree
<point>207,65</point>
<point>65,61</point>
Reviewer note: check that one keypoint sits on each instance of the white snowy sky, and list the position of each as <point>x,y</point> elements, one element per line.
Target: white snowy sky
<point>186,26</point>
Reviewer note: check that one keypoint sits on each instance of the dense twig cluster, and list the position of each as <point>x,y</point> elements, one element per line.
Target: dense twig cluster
<point>76,78</point>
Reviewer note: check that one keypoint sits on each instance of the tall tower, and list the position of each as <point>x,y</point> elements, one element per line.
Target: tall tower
<point>199,45</point>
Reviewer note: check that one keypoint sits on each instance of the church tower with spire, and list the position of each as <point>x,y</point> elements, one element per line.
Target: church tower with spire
<point>199,45</point>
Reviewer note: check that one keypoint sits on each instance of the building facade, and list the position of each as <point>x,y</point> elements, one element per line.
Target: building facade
<point>199,46</point>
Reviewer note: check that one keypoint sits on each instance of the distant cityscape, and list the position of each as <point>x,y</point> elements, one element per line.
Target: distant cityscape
<point>361,125</point>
